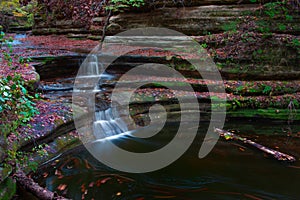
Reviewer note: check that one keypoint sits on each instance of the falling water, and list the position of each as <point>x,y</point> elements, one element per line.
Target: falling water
<point>108,123</point>
<point>92,74</point>
<point>92,66</point>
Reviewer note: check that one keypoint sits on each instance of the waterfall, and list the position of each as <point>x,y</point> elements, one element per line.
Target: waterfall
<point>92,66</point>
<point>108,123</point>
<point>92,72</point>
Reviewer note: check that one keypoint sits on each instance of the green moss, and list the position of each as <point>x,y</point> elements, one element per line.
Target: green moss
<point>270,113</point>
<point>58,122</point>
<point>5,172</point>
<point>66,141</point>
<point>32,84</point>
<point>7,189</point>
<point>168,84</point>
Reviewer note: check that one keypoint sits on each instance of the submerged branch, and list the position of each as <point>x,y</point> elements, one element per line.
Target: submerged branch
<point>34,188</point>
<point>276,154</point>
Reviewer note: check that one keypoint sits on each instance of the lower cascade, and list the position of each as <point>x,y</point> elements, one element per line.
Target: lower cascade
<point>108,123</point>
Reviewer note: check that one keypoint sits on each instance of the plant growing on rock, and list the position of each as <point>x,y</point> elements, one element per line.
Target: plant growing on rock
<point>17,107</point>
<point>113,6</point>
<point>11,10</point>
<point>81,11</point>
<point>16,104</point>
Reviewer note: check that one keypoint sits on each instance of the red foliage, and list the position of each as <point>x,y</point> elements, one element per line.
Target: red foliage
<point>81,11</point>
<point>52,113</point>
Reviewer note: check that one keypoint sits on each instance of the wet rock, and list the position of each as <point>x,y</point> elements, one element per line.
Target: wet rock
<point>12,23</point>
<point>98,19</point>
<point>50,67</point>
<point>77,36</point>
<point>48,31</point>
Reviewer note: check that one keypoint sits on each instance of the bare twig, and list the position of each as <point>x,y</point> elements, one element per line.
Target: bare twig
<point>104,29</point>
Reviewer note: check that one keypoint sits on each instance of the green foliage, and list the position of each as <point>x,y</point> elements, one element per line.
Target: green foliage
<point>263,27</point>
<point>258,52</point>
<point>120,5</point>
<point>274,10</point>
<point>7,189</point>
<point>16,110</point>
<point>267,89</point>
<point>265,17</point>
<point>204,45</point>
<point>236,103</point>
<point>232,26</point>
<point>6,42</point>
<point>281,27</point>
<point>296,103</point>
<point>13,7</point>
<point>82,10</point>
<point>17,107</point>
<point>9,6</point>
<point>258,30</point>
<point>296,43</point>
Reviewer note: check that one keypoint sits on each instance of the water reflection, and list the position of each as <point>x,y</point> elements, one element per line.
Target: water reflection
<point>231,171</point>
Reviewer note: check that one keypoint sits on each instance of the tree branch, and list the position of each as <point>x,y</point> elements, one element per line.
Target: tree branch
<point>104,29</point>
<point>34,188</point>
<point>276,154</point>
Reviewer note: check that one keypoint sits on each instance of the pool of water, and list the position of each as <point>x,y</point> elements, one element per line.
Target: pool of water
<point>231,171</point>
<point>16,39</point>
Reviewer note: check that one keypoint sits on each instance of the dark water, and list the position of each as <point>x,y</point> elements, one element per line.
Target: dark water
<point>231,171</point>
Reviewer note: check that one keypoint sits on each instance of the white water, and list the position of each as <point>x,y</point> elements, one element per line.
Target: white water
<point>91,66</point>
<point>108,123</point>
<point>91,74</point>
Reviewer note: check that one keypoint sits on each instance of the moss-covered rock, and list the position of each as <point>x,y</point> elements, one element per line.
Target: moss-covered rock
<point>7,189</point>
<point>269,113</point>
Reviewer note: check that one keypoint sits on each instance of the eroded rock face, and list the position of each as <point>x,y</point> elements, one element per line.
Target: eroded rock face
<point>253,54</point>
<point>195,20</point>
<point>11,23</point>
<point>191,17</point>
<point>189,3</point>
<point>198,20</point>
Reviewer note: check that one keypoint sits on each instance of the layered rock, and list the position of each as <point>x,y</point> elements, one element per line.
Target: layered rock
<point>197,20</point>
<point>192,17</point>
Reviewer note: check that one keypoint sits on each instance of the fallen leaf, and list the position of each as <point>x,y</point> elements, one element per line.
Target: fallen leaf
<point>62,187</point>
